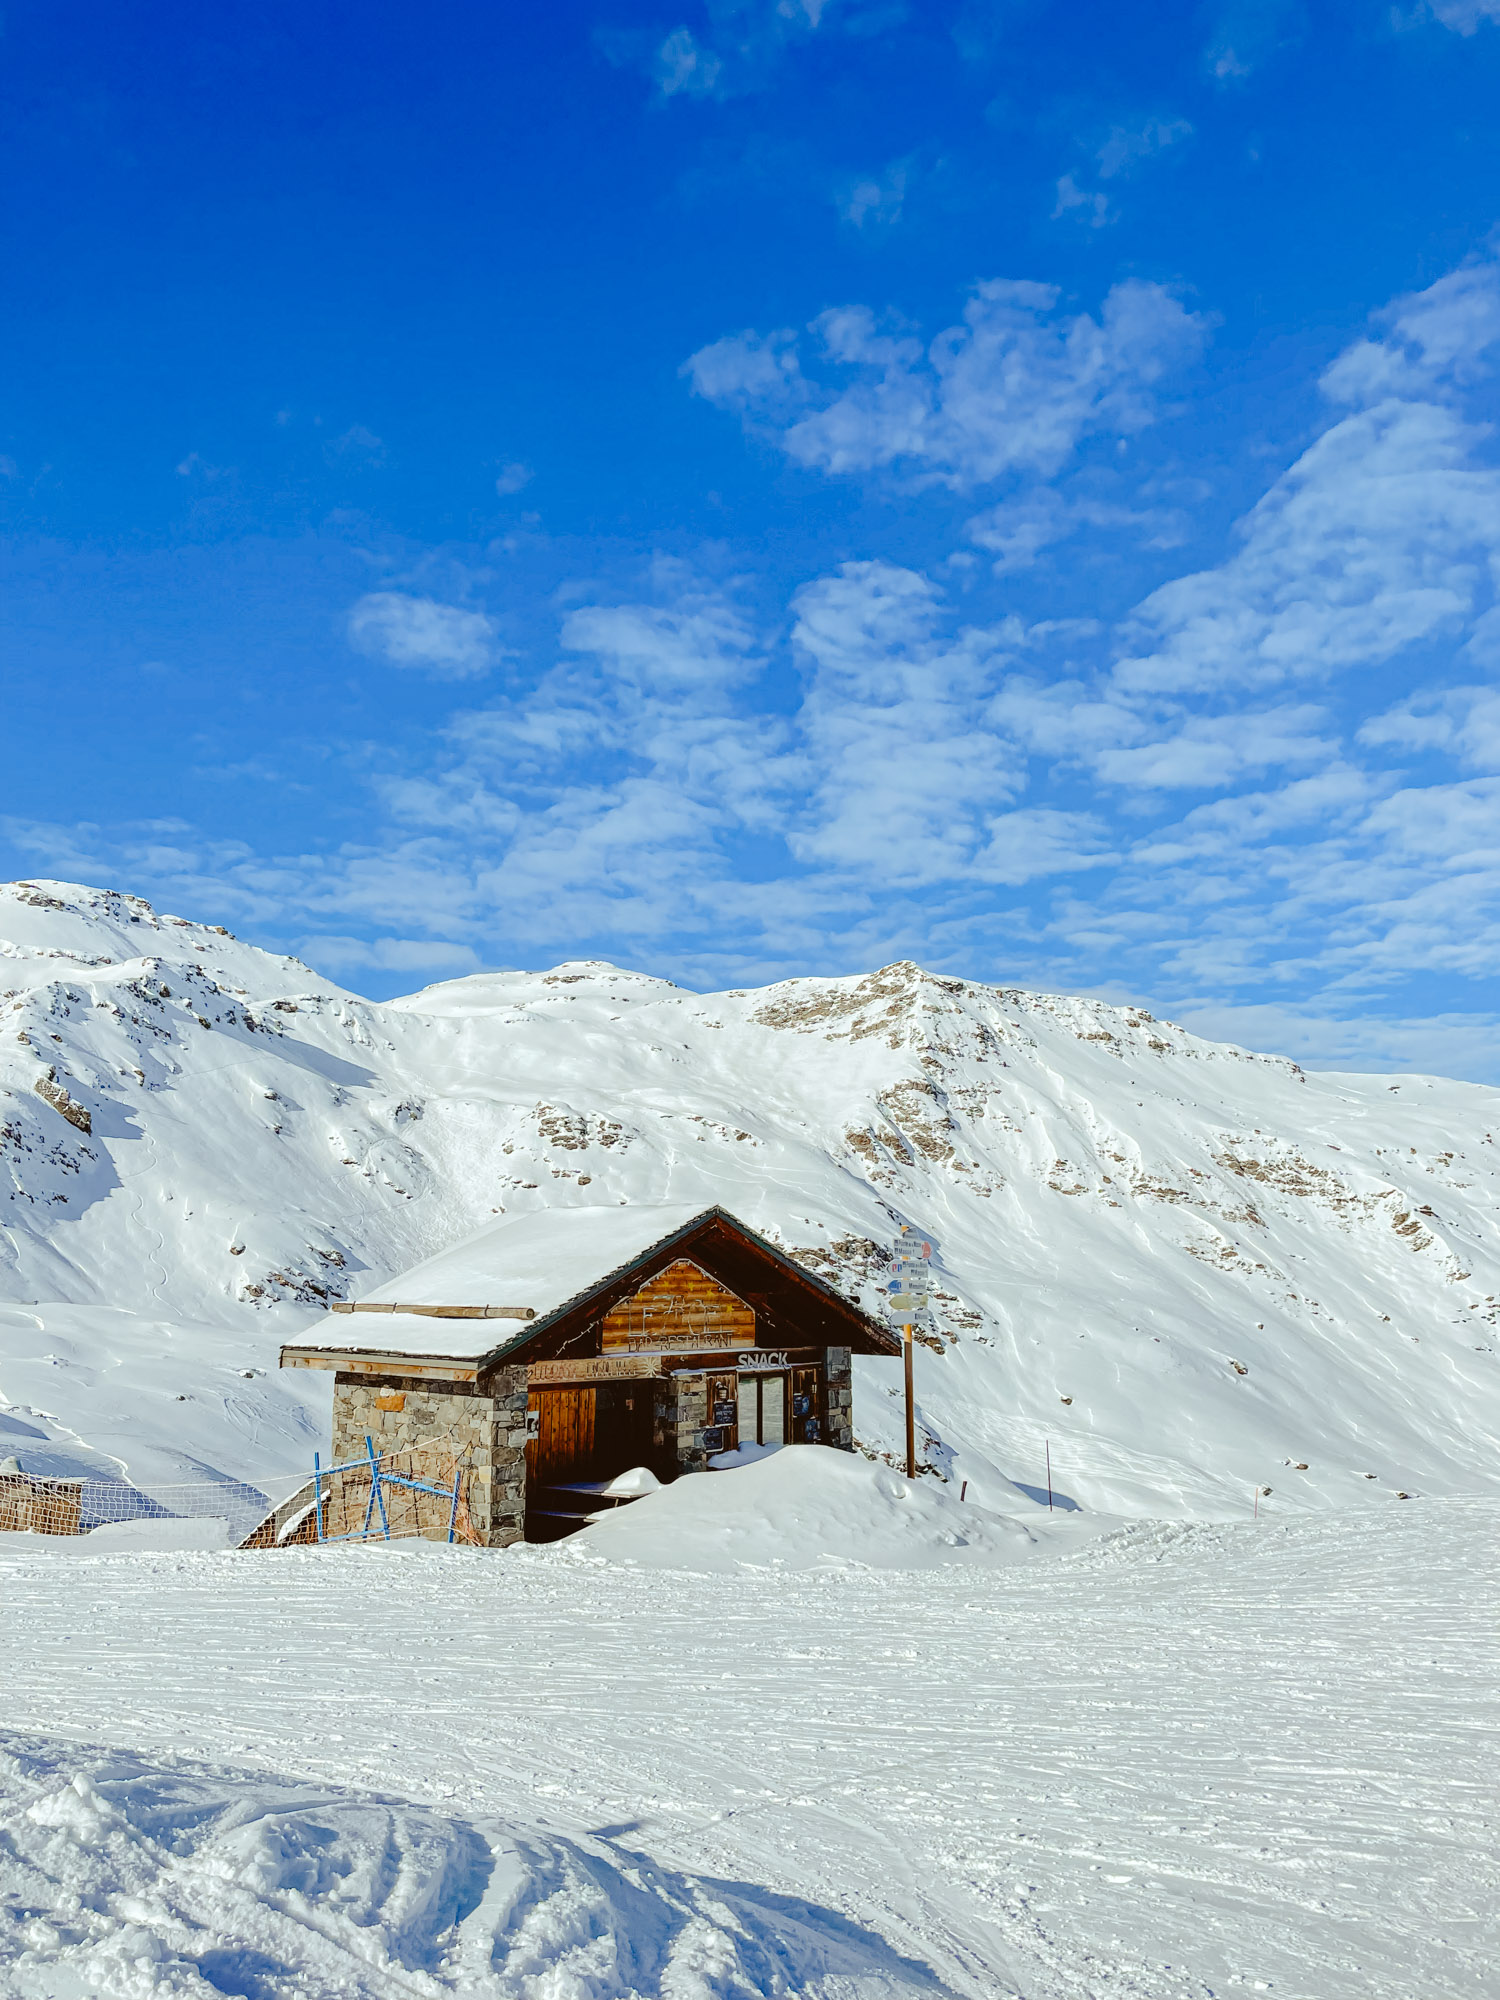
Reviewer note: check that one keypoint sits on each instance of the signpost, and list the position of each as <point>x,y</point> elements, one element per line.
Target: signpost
<point>907,1292</point>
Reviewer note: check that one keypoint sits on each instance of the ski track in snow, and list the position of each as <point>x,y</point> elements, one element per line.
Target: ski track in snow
<point>1183,1761</point>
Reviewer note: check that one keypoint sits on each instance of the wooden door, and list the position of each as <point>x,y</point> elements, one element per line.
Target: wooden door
<point>622,1428</point>
<point>563,1449</point>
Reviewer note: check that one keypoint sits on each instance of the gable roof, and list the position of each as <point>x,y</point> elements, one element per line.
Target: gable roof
<point>563,1268</point>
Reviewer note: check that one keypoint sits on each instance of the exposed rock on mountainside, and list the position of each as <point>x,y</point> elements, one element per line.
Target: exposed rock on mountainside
<point>1183,1264</point>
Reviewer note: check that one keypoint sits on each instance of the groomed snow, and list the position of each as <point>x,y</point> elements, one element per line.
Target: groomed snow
<point>1183,1762</point>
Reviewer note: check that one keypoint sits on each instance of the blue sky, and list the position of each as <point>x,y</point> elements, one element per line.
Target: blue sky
<point>772,487</point>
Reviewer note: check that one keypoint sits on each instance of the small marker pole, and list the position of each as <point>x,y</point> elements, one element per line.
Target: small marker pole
<point>1049,1475</point>
<point>911,1407</point>
<point>377,1498</point>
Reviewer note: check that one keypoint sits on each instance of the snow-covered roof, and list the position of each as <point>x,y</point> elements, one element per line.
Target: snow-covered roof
<point>540,1261</point>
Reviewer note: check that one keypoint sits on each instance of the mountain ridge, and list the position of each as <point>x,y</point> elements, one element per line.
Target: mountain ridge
<point>1191,1270</point>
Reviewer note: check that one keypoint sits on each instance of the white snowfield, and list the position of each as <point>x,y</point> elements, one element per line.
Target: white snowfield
<point>1193,1271</point>
<point>1181,1761</point>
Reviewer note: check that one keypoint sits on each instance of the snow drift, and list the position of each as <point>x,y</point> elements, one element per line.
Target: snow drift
<point>1193,1271</point>
<point>813,1508</point>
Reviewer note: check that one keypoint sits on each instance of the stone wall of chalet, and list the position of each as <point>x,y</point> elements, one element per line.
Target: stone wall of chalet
<point>839,1398</point>
<point>687,1403</point>
<point>488,1431</point>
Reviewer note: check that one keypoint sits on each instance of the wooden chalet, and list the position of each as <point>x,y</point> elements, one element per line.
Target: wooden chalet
<point>555,1352</point>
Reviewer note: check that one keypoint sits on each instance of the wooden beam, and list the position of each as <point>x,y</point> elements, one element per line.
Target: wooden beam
<point>421,1367</point>
<point>442,1312</point>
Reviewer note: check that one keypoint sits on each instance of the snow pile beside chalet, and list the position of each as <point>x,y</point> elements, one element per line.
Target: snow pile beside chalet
<point>819,1510</point>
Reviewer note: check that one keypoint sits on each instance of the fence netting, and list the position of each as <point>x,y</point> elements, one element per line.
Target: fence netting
<point>421,1493</point>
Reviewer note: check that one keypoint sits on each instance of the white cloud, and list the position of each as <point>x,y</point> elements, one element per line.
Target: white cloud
<point>1463,721</point>
<point>750,372</point>
<point>1207,752</point>
<point>358,446</point>
<point>1335,798</point>
<point>512,478</point>
<point>1016,531</point>
<point>1125,148</point>
<point>1129,145</point>
<point>684,68</point>
<point>1460,1045</point>
<point>1014,388</point>
<point>1036,841</point>
<point>1458,825</point>
<point>387,954</point>
<point>908,777</point>
<point>1464,16</point>
<point>699,638</point>
<point>1246,33</point>
<point>1437,342</point>
<point>419,632</point>
<point>875,200</point>
<point>1090,205</point>
<point>1384,534</point>
<point>737,51</point>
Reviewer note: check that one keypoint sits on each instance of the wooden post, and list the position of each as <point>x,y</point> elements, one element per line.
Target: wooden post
<point>911,1406</point>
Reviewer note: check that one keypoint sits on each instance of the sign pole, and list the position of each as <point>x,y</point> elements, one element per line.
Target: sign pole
<point>911,1406</point>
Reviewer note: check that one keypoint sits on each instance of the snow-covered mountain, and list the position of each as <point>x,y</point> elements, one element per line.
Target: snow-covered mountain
<point>1188,1270</point>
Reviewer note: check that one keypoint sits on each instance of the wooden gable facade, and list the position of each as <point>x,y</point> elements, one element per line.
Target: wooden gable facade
<point>709,1342</point>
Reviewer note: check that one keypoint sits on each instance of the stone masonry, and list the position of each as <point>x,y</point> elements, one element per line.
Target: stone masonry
<point>688,1404</point>
<point>840,1398</point>
<point>485,1427</point>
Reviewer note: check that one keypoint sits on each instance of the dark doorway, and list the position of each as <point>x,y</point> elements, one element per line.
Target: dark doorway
<point>586,1434</point>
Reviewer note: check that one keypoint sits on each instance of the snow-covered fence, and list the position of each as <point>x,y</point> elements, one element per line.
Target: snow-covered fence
<point>392,1496</point>
<point>39,1506</point>
<point>31,1503</point>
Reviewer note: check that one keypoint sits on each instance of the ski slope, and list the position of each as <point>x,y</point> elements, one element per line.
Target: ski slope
<point>1189,1271</point>
<point>1182,1761</point>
